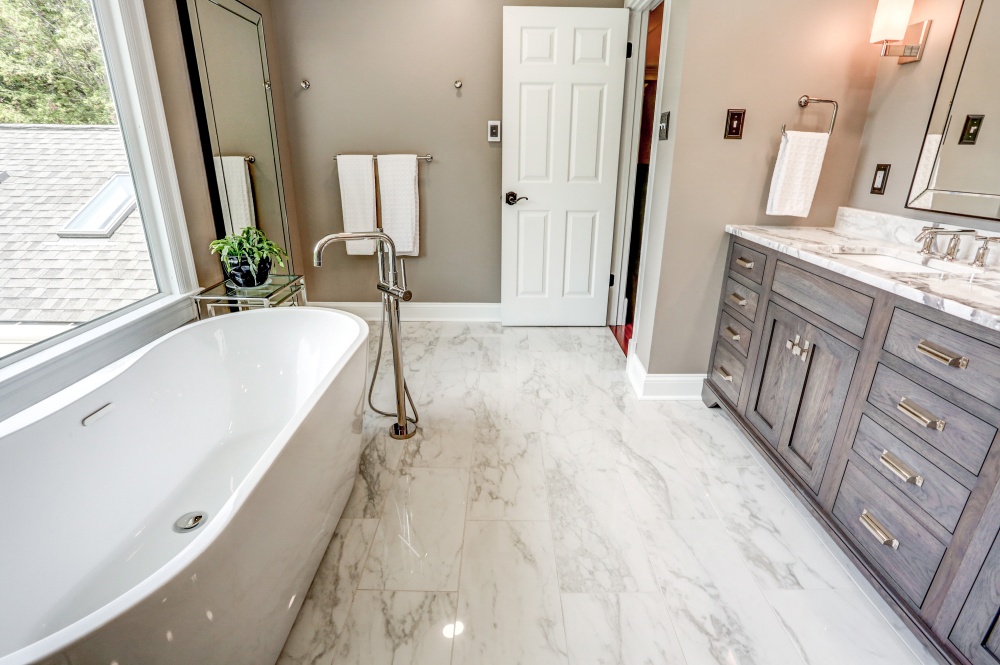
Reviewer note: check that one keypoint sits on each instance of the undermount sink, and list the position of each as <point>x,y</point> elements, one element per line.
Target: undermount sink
<point>895,264</point>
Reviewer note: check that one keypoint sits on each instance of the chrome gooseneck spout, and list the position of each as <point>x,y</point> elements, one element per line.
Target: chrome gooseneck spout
<point>392,284</point>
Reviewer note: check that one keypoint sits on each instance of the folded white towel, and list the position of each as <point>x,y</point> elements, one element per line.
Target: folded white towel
<point>796,173</point>
<point>357,199</point>
<point>397,178</point>
<point>236,192</point>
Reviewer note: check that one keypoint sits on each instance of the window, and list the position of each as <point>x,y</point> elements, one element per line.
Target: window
<point>103,214</point>
<point>94,257</point>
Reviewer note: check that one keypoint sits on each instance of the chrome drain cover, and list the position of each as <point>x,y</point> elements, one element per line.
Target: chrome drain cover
<point>190,521</point>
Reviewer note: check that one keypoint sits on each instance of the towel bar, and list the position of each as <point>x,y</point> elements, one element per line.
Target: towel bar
<point>426,158</point>
<point>806,100</point>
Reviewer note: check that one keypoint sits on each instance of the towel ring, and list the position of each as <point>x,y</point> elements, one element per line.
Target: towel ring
<point>806,100</point>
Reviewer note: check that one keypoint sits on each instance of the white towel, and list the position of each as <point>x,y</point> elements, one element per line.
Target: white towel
<point>796,172</point>
<point>236,192</point>
<point>397,178</point>
<point>357,198</point>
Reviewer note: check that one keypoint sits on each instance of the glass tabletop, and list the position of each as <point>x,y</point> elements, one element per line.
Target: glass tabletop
<point>226,289</point>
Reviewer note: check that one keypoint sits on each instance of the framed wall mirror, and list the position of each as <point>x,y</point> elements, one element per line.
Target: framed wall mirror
<point>232,91</point>
<point>959,167</point>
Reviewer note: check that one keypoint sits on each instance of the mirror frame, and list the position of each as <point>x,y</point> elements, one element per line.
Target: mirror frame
<point>205,113</point>
<point>948,85</point>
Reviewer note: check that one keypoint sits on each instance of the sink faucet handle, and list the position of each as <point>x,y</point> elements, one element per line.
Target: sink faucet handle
<point>984,250</point>
<point>928,235</point>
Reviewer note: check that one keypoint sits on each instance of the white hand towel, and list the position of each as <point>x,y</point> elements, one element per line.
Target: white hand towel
<point>236,192</point>
<point>397,178</point>
<point>357,199</point>
<point>796,172</point>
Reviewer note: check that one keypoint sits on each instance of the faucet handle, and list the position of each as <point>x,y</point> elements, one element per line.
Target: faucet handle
<point>402,273</point>
<point>926,231</point>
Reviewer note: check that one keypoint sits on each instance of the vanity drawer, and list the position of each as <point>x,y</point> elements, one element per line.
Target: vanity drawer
<point>734,332</point>
<point>845,307</point>
<point>907,552</point>
<point>934,491</point>
<point>957,433</point>
<point>963,361</point>
<point>727,372</point>
<point>747,262</point>
<point>741,299</point>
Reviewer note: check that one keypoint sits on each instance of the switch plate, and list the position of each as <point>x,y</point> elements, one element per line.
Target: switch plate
<point>970,131</point>
<point>735,118</point>
<point>664,131</point>
<point>493,131</point>
<point>881,178</point>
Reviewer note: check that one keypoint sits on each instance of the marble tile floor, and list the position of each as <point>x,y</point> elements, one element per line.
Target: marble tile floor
<point>543,514</point>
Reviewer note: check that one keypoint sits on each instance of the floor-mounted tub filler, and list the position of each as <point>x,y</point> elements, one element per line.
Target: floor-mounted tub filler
<point>174,507</point>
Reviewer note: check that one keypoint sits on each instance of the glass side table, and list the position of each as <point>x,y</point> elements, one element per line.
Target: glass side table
<point>278,291</point>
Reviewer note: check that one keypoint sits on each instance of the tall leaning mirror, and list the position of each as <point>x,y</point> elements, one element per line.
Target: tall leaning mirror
<point>959,167</point>
<point>231,85</point>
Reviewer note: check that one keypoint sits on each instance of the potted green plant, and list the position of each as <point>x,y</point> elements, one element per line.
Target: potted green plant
<point>247,255</point>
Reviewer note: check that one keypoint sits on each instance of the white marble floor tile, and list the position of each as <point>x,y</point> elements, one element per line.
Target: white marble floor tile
<point>376,473</point>
<point>781,551</point>
<point>597,543</point>
<point>440,443</point>
<point>720,613</point>
<point>704,435</point>
<point>832,627</point>
<point>658,481</point>
<point>324,611</point>
<point>508,600</point>
<point>619,629</point>
<point>581,450</point>
<point>396,627</point>
<point>418,543</point>
<point>508,479</point>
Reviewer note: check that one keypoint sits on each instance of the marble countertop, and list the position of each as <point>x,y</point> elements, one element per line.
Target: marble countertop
<point>973,295</point>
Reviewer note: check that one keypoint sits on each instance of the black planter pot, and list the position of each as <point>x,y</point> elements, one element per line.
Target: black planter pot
<point>238,270</point>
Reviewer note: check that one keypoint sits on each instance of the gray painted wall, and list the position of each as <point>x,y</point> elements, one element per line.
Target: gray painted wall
<point>382,74</point>
<point>901,105</point>
<point>759,56</point>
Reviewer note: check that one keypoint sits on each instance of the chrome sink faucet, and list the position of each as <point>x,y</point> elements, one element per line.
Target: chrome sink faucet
<point>956,242</point>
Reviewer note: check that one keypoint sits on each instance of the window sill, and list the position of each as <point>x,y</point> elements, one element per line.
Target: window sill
<point>47,371</point>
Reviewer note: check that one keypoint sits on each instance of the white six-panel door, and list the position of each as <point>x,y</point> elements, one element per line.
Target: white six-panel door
<point>563,86</point>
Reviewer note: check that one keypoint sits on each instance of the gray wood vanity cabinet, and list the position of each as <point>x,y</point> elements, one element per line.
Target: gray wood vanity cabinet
<point>883,415</point>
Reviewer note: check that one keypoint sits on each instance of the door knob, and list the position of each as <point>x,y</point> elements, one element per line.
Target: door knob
<point>512,198</point>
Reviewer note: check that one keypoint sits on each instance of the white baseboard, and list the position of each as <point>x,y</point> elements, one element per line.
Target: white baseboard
<point>422,311</point>
<point>661,386</point>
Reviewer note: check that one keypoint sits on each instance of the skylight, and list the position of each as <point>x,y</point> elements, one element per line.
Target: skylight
<point>103,214</point>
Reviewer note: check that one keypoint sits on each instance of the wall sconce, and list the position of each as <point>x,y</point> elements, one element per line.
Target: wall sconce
<point>897,37</point>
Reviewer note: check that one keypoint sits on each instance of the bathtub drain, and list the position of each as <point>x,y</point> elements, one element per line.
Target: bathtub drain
<point>190,521</point>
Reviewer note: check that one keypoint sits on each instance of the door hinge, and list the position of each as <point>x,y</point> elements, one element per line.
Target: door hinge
<point>628,50</point>
<point>612,282</point>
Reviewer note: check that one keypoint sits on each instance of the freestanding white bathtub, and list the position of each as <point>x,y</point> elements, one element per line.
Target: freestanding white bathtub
<point>252,418</point>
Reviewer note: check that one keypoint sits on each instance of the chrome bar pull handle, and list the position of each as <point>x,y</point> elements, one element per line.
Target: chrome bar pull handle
<point>738,300</point>
<point>733,335</point>
<point>876,529</point>
<point>744,263</point>
<point>900,470</point>
<point>726,376</point>
<point>942,355</point>
<point>924,418</point>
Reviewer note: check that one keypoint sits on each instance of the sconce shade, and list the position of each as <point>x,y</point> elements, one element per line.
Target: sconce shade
<point>891,19</point>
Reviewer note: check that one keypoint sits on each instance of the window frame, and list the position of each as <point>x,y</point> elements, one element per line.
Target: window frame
<point>43,369</point>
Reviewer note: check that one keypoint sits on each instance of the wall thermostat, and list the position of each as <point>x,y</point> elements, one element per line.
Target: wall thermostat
<point>493,131</point>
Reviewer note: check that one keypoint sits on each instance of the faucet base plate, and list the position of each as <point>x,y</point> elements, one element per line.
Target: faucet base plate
<point>406,432</point>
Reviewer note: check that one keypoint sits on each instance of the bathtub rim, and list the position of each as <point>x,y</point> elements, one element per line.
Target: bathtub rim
<point>204,537</point>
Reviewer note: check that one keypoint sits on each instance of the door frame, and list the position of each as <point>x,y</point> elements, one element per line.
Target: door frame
<point>628,161</point>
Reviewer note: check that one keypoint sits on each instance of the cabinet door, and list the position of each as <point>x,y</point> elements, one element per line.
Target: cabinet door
<point>977,632</point>
<point>778,377</point>
<point>814,412</point>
